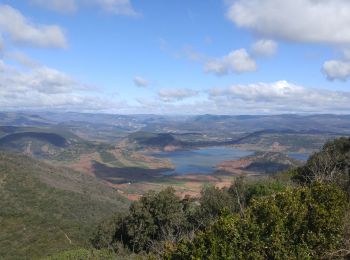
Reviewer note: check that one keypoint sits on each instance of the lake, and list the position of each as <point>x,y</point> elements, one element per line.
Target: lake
<point>299,156</point>
<point>201,161</point>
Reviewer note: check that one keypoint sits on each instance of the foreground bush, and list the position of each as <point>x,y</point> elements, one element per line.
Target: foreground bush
<point>300,223</point>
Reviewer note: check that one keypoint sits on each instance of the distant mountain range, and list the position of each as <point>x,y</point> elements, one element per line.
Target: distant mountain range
<point>179,124</point>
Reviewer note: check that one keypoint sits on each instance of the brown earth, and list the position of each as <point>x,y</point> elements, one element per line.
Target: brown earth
<point>85,164</point>
<point>234,166</point>
<point>133,183</point>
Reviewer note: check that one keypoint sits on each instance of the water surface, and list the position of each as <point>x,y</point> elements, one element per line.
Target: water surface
<point>299,156</point>
<point>201,161</point>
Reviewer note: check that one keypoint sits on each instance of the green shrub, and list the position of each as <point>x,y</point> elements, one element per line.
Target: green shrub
<point>83,254</point>
<point>300,223</point>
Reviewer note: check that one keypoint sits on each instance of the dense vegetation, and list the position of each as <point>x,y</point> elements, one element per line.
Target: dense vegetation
<point>299,214</point>
<point>302,213</point>
<point>45,209</point>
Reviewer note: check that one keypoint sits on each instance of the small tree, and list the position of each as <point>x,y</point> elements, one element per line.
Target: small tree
<point>156,217</point>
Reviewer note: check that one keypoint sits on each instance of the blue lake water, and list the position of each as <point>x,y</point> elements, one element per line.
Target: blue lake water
<point>202,161</point>
<point>299,156</point>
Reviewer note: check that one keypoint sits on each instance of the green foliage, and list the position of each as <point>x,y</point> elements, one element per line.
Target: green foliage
<point>264,219</point>
<point>94,254</point>
<point>155,217</point>
<point>45,209</point>
<point>103,236</point>
<point>212,202</point>
<point>235,199</point>
<point>330,165</point>
<point>83,254</point>
<point>301,223</point>
<point>107,157</point>
<point>160,220</point>
<point>262,189</point>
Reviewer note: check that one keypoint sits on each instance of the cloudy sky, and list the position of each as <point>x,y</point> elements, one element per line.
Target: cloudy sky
<point>175,57</point>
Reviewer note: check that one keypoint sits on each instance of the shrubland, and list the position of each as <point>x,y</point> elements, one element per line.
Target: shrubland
<point>302,213</point>
<point>298,214</point>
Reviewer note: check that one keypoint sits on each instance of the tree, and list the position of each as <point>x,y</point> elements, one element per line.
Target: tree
<point>330,165</point>
<point>156,217</point>
<point>300,223</point>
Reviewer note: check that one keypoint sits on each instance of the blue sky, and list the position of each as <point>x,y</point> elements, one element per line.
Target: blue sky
<point>175,57</point>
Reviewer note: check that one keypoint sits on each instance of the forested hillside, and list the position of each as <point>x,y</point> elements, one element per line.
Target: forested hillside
<point>301,213</point>
<point>45,209</point>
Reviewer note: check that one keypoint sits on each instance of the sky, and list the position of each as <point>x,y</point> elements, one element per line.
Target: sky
<point>175,57</point>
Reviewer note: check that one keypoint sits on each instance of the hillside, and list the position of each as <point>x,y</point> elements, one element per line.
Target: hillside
<point>271,162</point>
<point>49,143</point>
<point>23,119</point>
<point>260,163</point>
<point>162,141</point>
<point>51,138</point>
<point>45,209</point>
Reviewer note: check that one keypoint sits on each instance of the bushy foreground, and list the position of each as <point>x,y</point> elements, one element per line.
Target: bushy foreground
<point>273,218</point>
<point>299,223</point>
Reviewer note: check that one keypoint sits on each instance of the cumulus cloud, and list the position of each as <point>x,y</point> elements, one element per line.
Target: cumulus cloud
<point>40,79</point>
<point>311,21</point>
<point>237,61</point>
<point>49,81</point>
<point>337,69</point>
<point>21,30</point>
<point>258,98</point>
<point>279,97</point>
<point>46,88</point>
<point>141,82</point>
<point>21,58</point>
<point>264,48</point>
<point>118,7</point>
<point>172,95</point>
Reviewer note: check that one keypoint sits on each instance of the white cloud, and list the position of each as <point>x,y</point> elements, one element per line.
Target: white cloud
<point>49,81</point>
<point>21,30</point>
<point>259,98</point>
<point>346,53</point>
<point>238,61</point>
<point>2,66</point>
<point>337,69</point>
<point>141,82</point>
<point>118,7</point>
<point>172,95</point>
<point>40,79</point>
<point>47,88</point>
<point>21,58</point>
<point>122,7</point>
<point>311,21</point>
<point>279,97</point>
<point>264,48</point>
